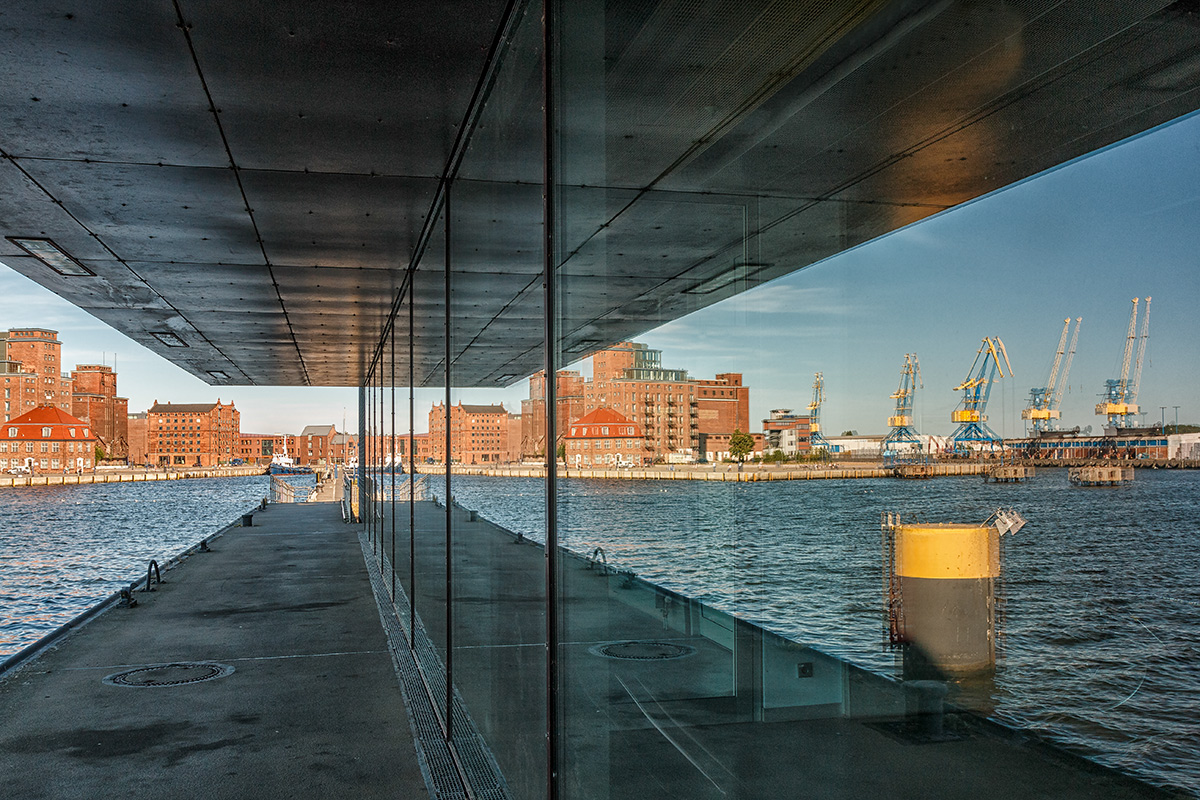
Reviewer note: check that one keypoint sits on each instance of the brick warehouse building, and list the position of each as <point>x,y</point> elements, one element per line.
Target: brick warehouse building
<point>192,434</point>
<point>606,438</point>
<point>94,398</point>
<point>569,389</point>
<point>37,353</point>
<point>47,439</point>
<point>137,428</point>
<point>478,434</point>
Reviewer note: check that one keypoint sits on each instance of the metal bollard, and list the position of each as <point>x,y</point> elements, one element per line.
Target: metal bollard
<point>247,520</point>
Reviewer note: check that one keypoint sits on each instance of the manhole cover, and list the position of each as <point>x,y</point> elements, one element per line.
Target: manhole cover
<point>169,674</point>
<point>642,651</point>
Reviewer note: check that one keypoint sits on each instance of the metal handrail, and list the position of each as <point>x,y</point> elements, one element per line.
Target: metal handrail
<point>592,562</point>
<point>152,569</point>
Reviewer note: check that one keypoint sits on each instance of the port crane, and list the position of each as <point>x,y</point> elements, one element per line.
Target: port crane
<point>816,438</point>
<point>1119,402</point>
<point>901,421</point>
<point>971,413</point>
<point>1044,401</point>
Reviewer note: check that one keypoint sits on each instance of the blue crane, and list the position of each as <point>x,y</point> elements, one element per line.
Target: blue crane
<point>1119,403</point>
<point>816,438</point>
<point>972,411</point>
<point>901,421</point>
<point>1044,401</point>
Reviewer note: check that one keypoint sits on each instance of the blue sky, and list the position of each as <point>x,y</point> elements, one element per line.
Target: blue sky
<point>1080,240</point>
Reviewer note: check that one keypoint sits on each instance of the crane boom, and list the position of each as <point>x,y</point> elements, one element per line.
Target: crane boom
<point>1141,354</point>
<point>901,420</point>
<point>1058,354</point>
<point>1058,393</point>
<point>816,438</point>
<point>1119,403</point>
<point>1129,337</point>
<point>990,359</point>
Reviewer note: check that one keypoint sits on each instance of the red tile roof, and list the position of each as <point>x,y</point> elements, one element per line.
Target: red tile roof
<point>591,425</point>
<point>31,424</point>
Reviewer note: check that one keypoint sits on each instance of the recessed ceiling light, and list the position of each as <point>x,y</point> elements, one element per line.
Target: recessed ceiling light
<point>505,378</point>
<point>51,255</point>
<point>169,339</point>
<point>218,374</point>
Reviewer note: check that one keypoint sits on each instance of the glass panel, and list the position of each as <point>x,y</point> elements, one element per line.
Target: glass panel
<point>751,604</point>
<point>498,595</point>
<point>431,518</point>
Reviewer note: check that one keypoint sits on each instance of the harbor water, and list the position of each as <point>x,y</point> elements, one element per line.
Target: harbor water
<point>1099,640</point>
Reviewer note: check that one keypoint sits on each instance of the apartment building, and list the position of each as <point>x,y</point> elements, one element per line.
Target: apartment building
<point>787,432</point>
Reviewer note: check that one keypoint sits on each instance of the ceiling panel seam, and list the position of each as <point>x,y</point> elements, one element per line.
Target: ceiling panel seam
<point>458,151</point>
<point>265,170</point>
<point>185,28</point>
<point>42,188</point>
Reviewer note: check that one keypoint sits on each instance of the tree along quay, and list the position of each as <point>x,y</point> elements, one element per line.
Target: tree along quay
<point>127,476</point>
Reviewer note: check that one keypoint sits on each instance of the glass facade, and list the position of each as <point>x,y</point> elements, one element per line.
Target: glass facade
<point>711,628</point>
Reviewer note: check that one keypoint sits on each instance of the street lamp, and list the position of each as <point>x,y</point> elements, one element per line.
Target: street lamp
<point>1163,420</point>
<point>1176,419</point>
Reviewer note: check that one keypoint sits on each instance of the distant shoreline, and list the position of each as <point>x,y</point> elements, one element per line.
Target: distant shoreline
<point>128,476</point>
<point>750,473</point>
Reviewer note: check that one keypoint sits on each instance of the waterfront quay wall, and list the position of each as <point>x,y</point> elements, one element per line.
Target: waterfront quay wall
<point>721,473</point>
<point>127,476</point>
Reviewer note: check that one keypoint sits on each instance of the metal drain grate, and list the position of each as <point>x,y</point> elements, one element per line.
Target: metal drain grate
<point>179,674</point>
<point>642,651</point>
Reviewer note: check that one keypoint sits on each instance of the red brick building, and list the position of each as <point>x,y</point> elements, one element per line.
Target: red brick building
<point>343,448</point>
<point>260,448</point>
<point>37,352</point>
<point>631,379</point>
<point>193,434</point>
<point>570,388</point>
<point>94,399</point>
<point>20,389</point>
<point>722,404</point>
<point>136,426</point>
<point>47,439</point>
<point>676,412</point>
<point>478,434</point>
<point>606,438</point>
<point>514,453</point>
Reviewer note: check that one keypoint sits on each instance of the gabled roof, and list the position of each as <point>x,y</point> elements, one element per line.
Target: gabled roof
<point>30,425</point>
<point>492,409</point>
<point>592,425</point>
<point>317,430</point>
<point>182,408</point>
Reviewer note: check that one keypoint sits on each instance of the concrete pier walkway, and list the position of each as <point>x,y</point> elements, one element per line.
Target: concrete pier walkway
<point>312,708</point>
